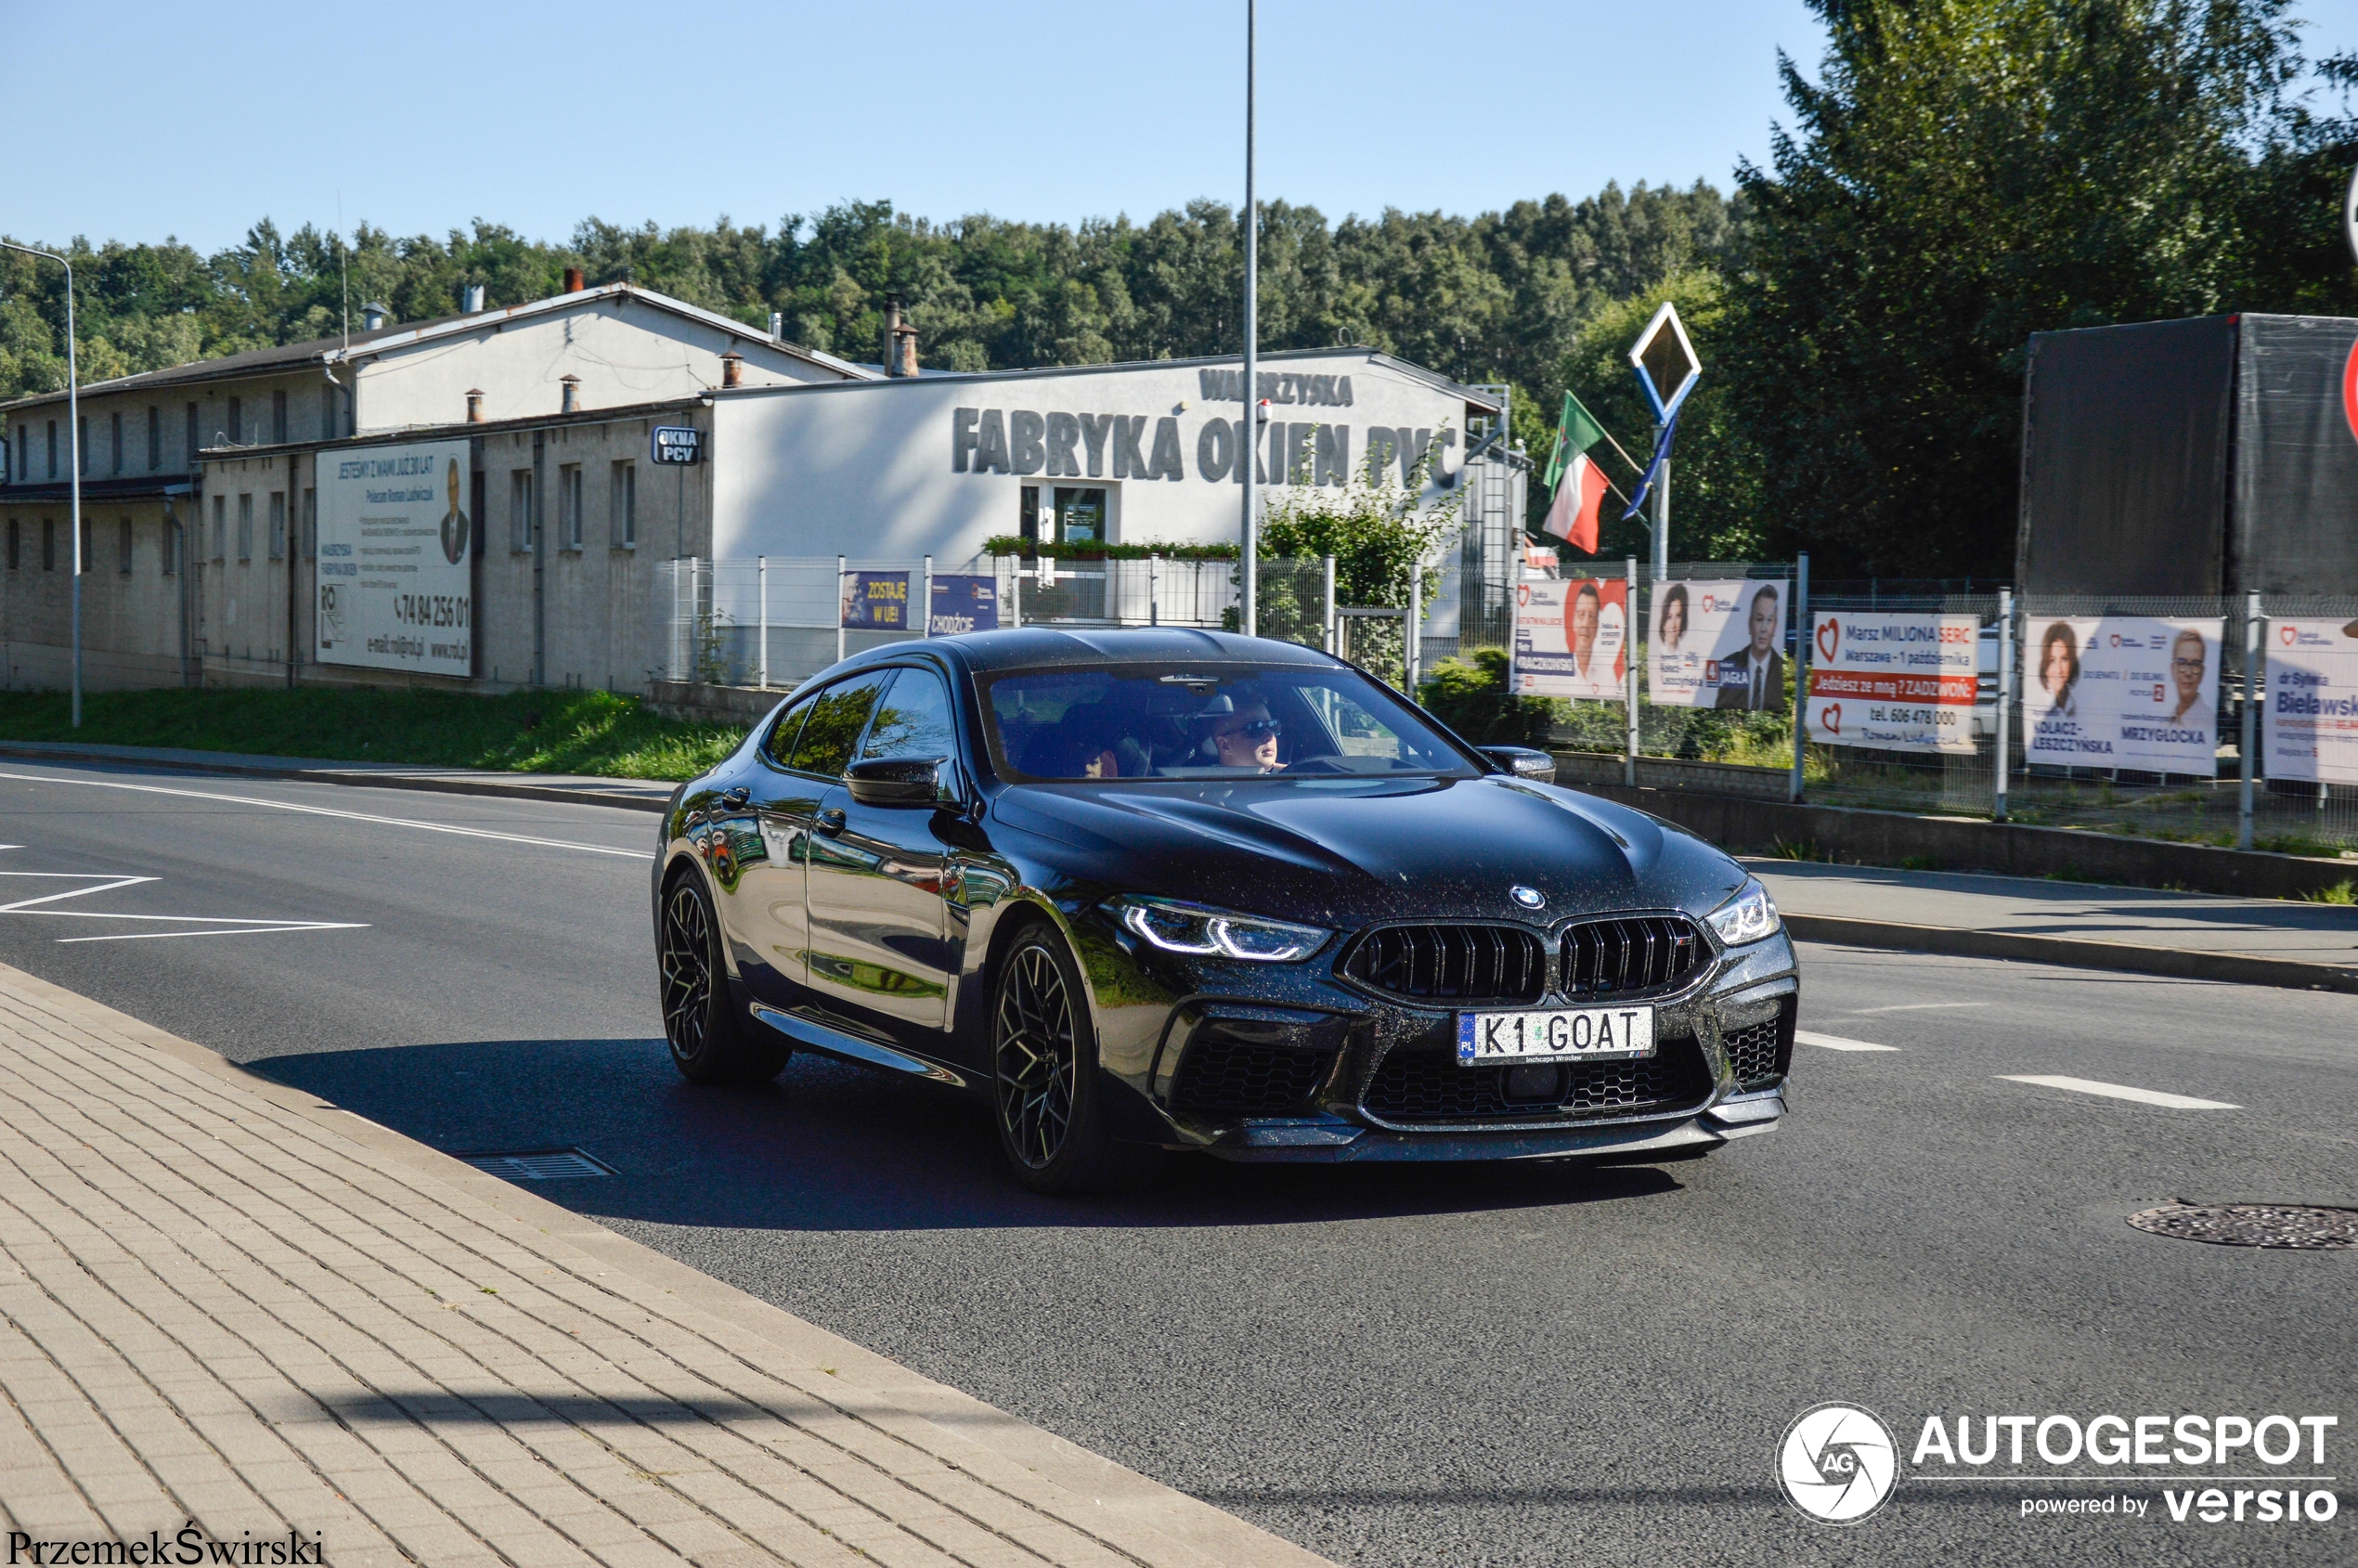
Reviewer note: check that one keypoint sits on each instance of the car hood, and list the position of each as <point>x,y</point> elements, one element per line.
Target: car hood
<point>1349,851</point>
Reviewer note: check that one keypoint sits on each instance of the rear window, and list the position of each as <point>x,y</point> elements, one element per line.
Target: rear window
<point>1171,721</point>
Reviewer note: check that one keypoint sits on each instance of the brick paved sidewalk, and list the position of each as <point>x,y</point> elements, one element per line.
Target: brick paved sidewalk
<point>227,1303</point>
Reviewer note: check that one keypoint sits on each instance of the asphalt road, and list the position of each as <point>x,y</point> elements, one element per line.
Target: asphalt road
<point>1392,1366</point>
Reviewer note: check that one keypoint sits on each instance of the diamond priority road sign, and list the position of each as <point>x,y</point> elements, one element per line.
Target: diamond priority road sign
<point>1665,360</point>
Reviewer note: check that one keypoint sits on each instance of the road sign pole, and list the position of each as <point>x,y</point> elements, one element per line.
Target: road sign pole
<point>762,589</point>
<point>1629,670</point>
<point>2251,716</point>
<point>1662,517</point>
<point>1804,633</point>
<point>839,565</point>
<point>2005,692</point>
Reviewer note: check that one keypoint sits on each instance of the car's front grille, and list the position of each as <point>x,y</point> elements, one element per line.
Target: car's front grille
<point>1757,1055</point>
<point>1451,963</point>
<point>1416,1085</point>
<point>1628,956</point>
<point>1236,1078</point>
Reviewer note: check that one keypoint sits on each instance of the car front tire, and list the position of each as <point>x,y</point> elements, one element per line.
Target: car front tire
<point>710,1042</point>
<point>1044,1071</point>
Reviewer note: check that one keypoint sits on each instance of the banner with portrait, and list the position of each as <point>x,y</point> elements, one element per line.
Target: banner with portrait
<point>1893,682</point>
<point>2311,716</point>
<point>1718,644</point>
<point>876,600</point>
<point>1571,635</point>
<point>2134,691</point>
<point>393,584</point>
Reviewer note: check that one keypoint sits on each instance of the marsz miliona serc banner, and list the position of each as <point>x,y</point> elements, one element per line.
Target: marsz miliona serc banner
<point>2137,691</point>
<point>394,582</point>
<point>1896,682</point>
<point>2313,700</point>
<point>1569,636</point>
<point>1718,644</point>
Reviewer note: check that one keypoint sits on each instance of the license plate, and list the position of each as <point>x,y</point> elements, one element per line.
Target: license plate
<point>1555,1034</point>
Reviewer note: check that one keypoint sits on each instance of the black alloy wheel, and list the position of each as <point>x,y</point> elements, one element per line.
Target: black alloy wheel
<point>710,1042</point>
<point>1044,1061</point>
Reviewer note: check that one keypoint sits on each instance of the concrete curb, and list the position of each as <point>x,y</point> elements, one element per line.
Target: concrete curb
<point>1146,1521</point>
<point>42,751</point>
<point>2235,968</point>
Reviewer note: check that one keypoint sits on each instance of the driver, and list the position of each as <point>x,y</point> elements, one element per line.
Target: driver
<point>1246,737</point>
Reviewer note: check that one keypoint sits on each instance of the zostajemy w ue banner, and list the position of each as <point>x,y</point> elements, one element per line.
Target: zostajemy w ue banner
<point>2136,692</point>
<point>394,579</point>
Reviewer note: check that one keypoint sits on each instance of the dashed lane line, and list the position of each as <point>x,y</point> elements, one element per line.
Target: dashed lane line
<point>2118,1092</point>
<point>1836,1042</point>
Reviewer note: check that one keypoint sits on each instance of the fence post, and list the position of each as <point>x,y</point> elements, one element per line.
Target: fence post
<point>1804,632</point>
<point>1329,562</point>
<point>2251,717</point>
<point>761,591</point>
<point>1412,642</point>
<point>1014,587</point>
<point>925,615</point>
<point>1154,589</point>
<point>2005,691</point>
<point>840,567</point>
<point>1629,672</point>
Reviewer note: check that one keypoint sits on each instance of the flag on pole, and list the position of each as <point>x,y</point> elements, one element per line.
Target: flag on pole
<point>1576,431</point>
<point>1646,482</point>
<point>1579,493</point>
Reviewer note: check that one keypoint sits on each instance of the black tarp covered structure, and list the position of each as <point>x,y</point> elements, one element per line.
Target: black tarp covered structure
<point>2208,456</point>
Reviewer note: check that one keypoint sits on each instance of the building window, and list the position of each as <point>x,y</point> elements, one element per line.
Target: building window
<point>622,507</point>
<point>237,421</point>
<point>24,454</point>
<point>327,413</point>
<point>310,524</point>
<point>245,527</point>
<point>115,454</point>
<point>519,509</point>
<point>16,543</point>
<point>170,545</point>
<point>53,449</point>
<point>155,437</point>
<point>125,529</point>
<point>82,441</point>
<point>220,527</point>
<point>89,549</point>
<point>277,525</point>
<point>48,544</point>
<point>569,505</point>
<point>190,457</point>
<point>278,418</point>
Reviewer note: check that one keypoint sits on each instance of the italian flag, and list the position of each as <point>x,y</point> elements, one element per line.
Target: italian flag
<point>1580,483</point>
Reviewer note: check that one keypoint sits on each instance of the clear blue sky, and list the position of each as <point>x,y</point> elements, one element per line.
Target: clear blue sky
<point>427,114</point>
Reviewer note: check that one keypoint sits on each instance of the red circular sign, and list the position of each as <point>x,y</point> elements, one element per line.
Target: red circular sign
<point>2349,391</point>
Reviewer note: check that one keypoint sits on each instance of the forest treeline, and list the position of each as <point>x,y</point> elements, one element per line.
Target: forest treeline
<point>1950,180</point>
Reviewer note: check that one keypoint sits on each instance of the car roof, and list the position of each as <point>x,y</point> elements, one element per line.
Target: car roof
<point>1034,647</point>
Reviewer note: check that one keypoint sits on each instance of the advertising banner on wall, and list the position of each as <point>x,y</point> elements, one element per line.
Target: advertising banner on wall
<point>2137,691</point>
<point>1895,682</point>
<point>964,603</point>
<point>2311,716</point>
<point>394,579</point>
<point>876,600</point>
<point>1570,636</point>
<point>1718,644</point>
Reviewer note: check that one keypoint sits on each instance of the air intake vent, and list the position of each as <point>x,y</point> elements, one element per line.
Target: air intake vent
<point>1758,1054</point>
<point>1451,963</point>
<point>1237,1078</point>
<point>1628,956</point>
<point>1413,1085</point>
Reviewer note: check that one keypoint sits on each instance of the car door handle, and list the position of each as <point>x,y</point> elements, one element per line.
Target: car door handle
<point>831,820</point>
<point>733,798</point>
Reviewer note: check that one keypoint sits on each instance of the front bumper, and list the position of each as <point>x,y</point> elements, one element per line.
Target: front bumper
<point>1304,1068</point>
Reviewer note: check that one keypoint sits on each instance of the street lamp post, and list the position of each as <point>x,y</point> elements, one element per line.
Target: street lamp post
<point>74,455</point>
<point>1248,427</point>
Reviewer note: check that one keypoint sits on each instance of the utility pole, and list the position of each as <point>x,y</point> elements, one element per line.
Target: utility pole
<point>74,454</point>
<point>1248,428</point>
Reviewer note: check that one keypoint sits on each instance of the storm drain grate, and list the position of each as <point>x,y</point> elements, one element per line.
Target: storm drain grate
<point>2254,1225</point>
<point>539,1165</point>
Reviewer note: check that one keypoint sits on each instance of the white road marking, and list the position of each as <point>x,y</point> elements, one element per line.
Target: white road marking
<point>101,887</point>
<point>81,782</point>
<point>1913,1007</point>
<point>2118,1092</point>
<point>101,882</point>
<point>241,931</point>
<point>1836,1042</point>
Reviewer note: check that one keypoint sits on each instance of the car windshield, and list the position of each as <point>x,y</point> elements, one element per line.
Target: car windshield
<point>1207,721</point>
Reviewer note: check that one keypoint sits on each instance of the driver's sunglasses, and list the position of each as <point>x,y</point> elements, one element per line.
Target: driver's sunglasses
<point>1257,729</point>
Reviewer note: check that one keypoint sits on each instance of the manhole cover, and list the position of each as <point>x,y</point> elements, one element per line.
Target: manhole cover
<point>537,1165</point>
<point>2253,1224</point>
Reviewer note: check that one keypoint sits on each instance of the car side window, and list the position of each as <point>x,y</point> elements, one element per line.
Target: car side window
<point>913,719</point>
<point>778,746</point>
<point>836,718</point>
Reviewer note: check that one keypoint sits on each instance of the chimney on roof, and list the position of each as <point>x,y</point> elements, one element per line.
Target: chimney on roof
<point>373,316</point>
<point>778,325</point>
<point>470,302</point>
<point>733,369</point>
<point>573,281</point>
<point>901,342</point>
<point>475,404</point>
<point>572,394</point>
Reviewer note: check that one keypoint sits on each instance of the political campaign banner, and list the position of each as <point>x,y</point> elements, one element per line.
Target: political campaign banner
<point>2310,723</point>
<point>1893,682</point>
<point>2135,691</point>
<point>393,584</point>
<point>1569,637</point>
<point>964,603</point>
<point>1718,644</point>
<point>876,600</point>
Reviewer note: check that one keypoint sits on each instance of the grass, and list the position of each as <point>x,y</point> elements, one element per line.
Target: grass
<point>2342,892</point>
<point>551,731</point>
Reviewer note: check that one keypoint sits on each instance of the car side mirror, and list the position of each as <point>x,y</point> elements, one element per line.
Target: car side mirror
<point>901,781</point>
<point>1523,762</point>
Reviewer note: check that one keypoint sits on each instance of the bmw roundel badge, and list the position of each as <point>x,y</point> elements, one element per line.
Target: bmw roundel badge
<point>1530,898</point>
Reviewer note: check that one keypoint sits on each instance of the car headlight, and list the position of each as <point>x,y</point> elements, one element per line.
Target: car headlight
<point>1192,928</point>
<point>1746,917</point>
